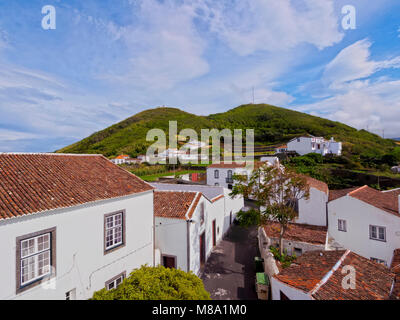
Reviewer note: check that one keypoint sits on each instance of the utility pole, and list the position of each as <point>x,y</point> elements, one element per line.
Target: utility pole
<point>253,95</point>
<point>383,133</point>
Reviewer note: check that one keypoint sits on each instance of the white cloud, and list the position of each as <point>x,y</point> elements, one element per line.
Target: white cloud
<point>354,62</point>
<point>248,26</point>
<point>355,98</point>
<point>164,46</point>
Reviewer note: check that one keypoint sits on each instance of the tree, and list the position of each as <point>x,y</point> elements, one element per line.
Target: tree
<point>276,191</point>
<point>156,283</point>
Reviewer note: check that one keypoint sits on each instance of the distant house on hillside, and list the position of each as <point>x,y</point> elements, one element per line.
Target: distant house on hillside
<point>318,275</point>
<point>121,159</point>
<point>396,169</point>
<point>304,145</point>
<point>366,221</point>
<point>70,225</point>
<point>281,149</point>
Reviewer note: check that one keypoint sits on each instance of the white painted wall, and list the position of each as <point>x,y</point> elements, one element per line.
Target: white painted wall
<point>223,174</point>
<point>80,259</point>
<point>359,216</point>
<point>231,205</point>
<point>171,239</point>
<point>313,210</point>
<point>290,292</point>
<point>305,145</point>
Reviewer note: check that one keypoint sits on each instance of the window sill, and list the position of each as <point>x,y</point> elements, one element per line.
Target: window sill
<point>120,246</point>
<point>377,239</point>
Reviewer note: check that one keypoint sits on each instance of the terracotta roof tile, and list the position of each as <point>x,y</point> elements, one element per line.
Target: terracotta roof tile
<point>395,267</point>
<point>227,165</point>
<point>175,204</point>
<point>317,184</point>
<point>319,273</point>
<point>32,183</point>
<point>298,232</point>
<point>308,269</point>
<point>336,194</point>
<point>373,281</point>
<point>387,201</point>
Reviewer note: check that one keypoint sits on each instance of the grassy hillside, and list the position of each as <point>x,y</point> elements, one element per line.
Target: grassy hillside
<point>272,125</point>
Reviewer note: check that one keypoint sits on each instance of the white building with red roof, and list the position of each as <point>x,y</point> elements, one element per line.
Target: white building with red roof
<point>70,225</point>
<point>366,221</point>
<point>186,228</point>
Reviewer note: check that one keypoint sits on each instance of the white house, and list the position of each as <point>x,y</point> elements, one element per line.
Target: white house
<point>70,225</point>
<point>318,275</point>
<point>396,169</point>
<point>313,210</point>
<point>221,174</point>
<point>185,230</point>
<point>220,205</point>
<point>121,159</point>
<point>365,221</point>
<point>281,149</point>
<point>310,144</point>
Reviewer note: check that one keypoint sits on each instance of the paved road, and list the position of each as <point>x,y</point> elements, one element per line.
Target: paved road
<point>230,272</point>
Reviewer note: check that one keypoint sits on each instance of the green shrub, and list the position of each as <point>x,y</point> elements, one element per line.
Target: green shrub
<point>285,259</point>
<point>249,218</point>
<point>156,283</point>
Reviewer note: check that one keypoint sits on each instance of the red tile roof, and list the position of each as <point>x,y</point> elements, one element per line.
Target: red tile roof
<point>317,184</point>
<point>336,194</point>
<point>395,267</point>
<point>308,269</point>
<point>175,204</point>
<point>32,183</point>
<point>386,201</point>
<point>298,232</point>
<point>319,273</point>
<point>223,165</point>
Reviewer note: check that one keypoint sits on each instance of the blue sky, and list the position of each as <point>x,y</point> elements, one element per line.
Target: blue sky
<point>107,60</point>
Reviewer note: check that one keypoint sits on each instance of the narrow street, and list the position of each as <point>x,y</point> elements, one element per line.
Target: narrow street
<point>230,271</point>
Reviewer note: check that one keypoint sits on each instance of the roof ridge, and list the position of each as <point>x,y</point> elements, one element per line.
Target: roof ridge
<point>358,189</point>
<point>330,273</point>
<point>192,204</point>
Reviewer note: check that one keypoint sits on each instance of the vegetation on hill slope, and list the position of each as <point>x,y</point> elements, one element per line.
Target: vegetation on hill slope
<point>272,125</point>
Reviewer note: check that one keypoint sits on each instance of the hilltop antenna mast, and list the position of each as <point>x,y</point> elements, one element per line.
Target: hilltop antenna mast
<point>253,95</point>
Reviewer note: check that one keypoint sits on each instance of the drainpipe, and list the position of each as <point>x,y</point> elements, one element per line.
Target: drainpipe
<point>188,222</point>
<point>154,235</point>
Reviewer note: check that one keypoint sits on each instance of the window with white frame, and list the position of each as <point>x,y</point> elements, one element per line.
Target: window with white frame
<point>377,233</point>
<point>114,230</point>
<point>379,261</point>
<point>35,258</point>
<point>342,225</point>
<point>115,282</point>
<point>216,174</point>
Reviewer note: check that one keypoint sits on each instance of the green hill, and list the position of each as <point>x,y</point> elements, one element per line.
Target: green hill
<point>272,125</point>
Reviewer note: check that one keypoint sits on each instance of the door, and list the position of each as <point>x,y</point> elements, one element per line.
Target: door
<point>169,262</point>
<point>214,233</point>
<point>202,250</point>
